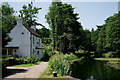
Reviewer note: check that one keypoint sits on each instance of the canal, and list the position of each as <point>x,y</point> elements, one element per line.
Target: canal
<point>90,69</point>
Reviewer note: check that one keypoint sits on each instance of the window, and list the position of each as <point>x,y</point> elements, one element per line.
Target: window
<point>37,52</point>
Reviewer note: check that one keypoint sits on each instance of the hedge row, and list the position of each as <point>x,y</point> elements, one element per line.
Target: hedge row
<point>16,61</point>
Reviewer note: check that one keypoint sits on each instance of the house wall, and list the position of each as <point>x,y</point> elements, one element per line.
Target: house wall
<point>36,43</point>
<point>20,37</point>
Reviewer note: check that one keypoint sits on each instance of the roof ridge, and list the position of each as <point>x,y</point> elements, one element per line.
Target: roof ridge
<point>32,31</point>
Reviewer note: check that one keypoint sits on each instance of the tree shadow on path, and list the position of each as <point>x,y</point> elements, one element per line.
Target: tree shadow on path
<point>8,72</point>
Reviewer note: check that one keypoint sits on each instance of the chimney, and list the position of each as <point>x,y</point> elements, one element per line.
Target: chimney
<point>33,27</point>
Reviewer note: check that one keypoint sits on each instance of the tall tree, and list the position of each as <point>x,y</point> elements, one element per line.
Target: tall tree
<point>8,22</point>
<point>65,27</point>
<point>29,12</point>
<point>101,41</point>
<point>45,34</point>
<point>51,19</point>
<point>107,37</point>
<point>113,32</point>
<point>87,44</point>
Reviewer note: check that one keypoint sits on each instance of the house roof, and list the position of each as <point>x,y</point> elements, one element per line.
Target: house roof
<point>11,47</point>
<point>33,31</point>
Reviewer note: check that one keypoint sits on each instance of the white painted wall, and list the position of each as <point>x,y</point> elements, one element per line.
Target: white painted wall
<point>36,42</point>
<point>20,37</point>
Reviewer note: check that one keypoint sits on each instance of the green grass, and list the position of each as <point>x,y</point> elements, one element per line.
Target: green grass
<point>112,62</point>
<point>47,75</point>
<point>108,59</point>
<point>27,65</point>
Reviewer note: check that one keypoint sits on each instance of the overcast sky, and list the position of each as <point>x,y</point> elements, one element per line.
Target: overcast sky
<point>90,13</point>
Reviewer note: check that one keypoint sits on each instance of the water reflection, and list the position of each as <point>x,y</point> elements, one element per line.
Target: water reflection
<point>89,69</point>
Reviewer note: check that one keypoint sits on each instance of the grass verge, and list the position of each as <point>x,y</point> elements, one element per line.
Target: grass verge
<point>27,65</point>
<point>47,75</point>
<point>112,62</point>
<point>108,59</point>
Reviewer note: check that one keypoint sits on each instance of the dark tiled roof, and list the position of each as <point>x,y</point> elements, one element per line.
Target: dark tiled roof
<point>33,32</point>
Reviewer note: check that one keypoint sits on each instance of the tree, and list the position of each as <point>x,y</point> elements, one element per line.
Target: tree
<point>29,12</point>
<point>45,34</point>
<point>8,22</point>
<point>101,41</point>
<point>66,30</point>
<point>113,34</point>
<point>51,19</point>
<point>94,37</point>
<point>107,37</point>
<point>87,44</point>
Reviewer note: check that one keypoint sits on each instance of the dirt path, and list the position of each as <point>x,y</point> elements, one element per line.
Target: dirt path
<point>28,72</point>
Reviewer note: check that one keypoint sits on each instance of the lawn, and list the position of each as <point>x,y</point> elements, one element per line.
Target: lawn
<point>108,59</point>
<point>27,65</point>
<point>112,62</point>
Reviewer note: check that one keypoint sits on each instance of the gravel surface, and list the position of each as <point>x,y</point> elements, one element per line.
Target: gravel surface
<point>27,72</point>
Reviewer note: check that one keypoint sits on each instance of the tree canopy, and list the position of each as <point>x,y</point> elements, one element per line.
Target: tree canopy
<point>108,36</point>
<point>66,30</point>
<point>8,22</point>
<point>29,12</point>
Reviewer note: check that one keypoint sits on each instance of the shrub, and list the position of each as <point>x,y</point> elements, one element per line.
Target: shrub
<point>48,52</point>
<point>19,61</point>
<point>61,63</point>
<point>108,55</point>
<point>10,61</point>
<point>117,53</point>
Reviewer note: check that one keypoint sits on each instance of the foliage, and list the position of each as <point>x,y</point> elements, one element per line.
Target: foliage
<point>10,61</point>
<point>112,54</point>
<point>61,63</point>
<point>101,42</point>
<point>44,32</point>
<point>29,12</point>
<point>8,22</point>
<point>106,39</point>
<point>87,43</point>
<point>66,30</point>
<point>27,65</point>
<point>47,51</point>
<point>108,55</point>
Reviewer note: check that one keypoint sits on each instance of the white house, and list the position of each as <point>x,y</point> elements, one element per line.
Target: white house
<point>25,41</point>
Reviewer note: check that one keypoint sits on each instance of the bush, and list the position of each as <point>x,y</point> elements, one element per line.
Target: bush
<point>108,55</point>
<point>117,54</point>
<point>10,61</point>
<point>61,63</point>
<point>19,61</point>
<point>48,52</point>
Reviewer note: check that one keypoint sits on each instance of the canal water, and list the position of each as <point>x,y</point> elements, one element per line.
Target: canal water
<point>89,69</point>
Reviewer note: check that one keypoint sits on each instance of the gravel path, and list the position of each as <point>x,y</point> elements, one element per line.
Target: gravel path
<point>28,72</point>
